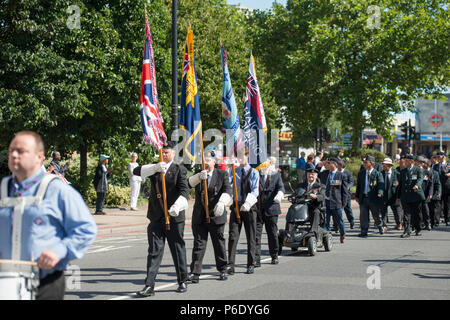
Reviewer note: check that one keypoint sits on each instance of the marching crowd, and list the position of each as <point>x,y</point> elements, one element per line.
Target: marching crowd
<point>62,228</point>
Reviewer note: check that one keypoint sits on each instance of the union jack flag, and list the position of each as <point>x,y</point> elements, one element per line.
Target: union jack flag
<point>254,120</point>
<point>150,116</point>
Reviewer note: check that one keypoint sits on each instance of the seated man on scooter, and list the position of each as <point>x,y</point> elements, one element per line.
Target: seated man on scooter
<point>316,191</point>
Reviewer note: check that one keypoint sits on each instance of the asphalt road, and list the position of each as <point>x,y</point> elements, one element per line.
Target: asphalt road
<point>378,267</point>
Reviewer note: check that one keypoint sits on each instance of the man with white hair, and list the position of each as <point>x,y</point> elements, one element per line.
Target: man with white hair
<point>219,197</point>
<point>390,194</point>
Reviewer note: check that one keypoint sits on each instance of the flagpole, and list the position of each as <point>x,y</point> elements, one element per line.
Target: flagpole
<point>205,183</point>
<point>236,203</point>
<point>163,178</point>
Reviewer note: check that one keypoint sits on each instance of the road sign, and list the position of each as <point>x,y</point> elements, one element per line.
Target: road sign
<point>436,120</point>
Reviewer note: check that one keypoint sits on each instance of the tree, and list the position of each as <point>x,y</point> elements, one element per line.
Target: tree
<point>362,61</point>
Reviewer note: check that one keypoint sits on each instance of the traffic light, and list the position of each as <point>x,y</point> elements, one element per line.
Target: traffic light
<point>404,129</point>
<point>412,132</point>
<point>326,135</point>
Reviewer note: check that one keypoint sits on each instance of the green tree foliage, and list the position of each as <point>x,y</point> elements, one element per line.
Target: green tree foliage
<point>79,85</point>
<point>362,61</point>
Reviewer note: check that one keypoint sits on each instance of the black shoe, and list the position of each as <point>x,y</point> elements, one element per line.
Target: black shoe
<point>406,235</point>
<point>223,276</point>
<point>380,230</point>
<point>146,292</point>
<point>418,233</point>
<point>447,224</point>
<point>274,261</point>
<point>230,270</point>
<point>250,270</point>
<point>193,278</point>
<point>257,264</point>
<point>362,235</point>
<point>182,287</point>
<point>352,225</point>
<point>428,228</point>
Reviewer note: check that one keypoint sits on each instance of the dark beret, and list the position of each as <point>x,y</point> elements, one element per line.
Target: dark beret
<point>169,145</point>
<point>370,158</point>
<point>409,156</point>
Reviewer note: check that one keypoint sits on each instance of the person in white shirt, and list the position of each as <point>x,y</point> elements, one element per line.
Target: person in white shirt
<point>135,182</point>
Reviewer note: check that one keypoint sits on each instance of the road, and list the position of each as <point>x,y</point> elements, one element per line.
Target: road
<point>378,267</point>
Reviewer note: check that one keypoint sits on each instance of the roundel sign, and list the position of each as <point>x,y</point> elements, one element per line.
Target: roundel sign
<point>436,120</point>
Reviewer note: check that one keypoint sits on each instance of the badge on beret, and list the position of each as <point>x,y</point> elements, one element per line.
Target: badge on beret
<point>38,221</point>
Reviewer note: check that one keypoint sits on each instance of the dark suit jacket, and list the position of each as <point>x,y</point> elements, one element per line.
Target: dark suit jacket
<point>349,179</point>
<point>409,179</point>
<point>176,185</point>
<point>338,189</point>
<point>427,184</point>
<point>390,191</point>
<point>219,184</point>
<point>376,186</point>
<point>268,191</point>
<point>318,189</point>
<point>437,188</point>
<point>445,181</point>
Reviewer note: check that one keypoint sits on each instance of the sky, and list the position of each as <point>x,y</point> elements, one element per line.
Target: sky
<point>256,4</point>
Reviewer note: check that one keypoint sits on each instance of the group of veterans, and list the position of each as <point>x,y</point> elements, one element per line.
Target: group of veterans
<point>417,191</point>
<point>259,195</point>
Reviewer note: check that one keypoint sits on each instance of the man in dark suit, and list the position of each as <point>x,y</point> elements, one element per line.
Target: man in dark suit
<point>435,203</point>
<point>410,193</point>
<point>443,169</point>
<point>349,179</point>
<point>391,184</point>
<point>177,194</point>
<point>219,196</point>
<point>316,191</point>
<point>335,195</point>
<point>271,192</point>
<point>427,187</point>
<point>247,184</point>
<point>369,194</point>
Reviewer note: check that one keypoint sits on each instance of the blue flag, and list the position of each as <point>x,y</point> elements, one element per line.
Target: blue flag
<point>190,104</point>
<point>230,116</point>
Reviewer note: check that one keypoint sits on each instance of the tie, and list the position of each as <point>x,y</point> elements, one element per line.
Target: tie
<point>387,180</point>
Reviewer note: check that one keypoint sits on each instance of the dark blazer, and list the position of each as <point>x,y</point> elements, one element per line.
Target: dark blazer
<point>427,184</point>
<point>268,190</point>
<point>98,175</point>
<point>349,179</point>
<point>219,184</point>
<point>445,181</point>
<point>338,189</point>
<point>409,179</point>
<point>390,191</point>
<point>176,185</point>
<point>318,189</point>
<point>376,186</point>
<point>437,187</point>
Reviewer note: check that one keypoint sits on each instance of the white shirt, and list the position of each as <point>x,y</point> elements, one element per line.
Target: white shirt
<point>131,167</point>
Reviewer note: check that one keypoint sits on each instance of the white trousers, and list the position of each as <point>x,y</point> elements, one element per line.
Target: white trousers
<point>135,189</point>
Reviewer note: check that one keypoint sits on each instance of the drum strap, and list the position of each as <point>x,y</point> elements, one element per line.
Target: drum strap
<point>19,204</point>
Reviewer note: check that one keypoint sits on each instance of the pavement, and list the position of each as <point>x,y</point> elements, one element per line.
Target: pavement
<point>120,221</point>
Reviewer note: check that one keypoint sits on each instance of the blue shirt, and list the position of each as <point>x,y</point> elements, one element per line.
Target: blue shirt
<point>301,163</point>
<point>62,223</point>
<point>253,180</point>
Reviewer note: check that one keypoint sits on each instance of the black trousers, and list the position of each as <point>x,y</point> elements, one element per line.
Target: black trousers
<point>435,212</point>
<point>52,287</point>
<point>200,232</point>
<point>270,223</point>
<point>157,234</point>
<point>446,205</point>
<point>396,210</point>
<point>248,219</point>
<point>426,216</point>
<point>411,217</point>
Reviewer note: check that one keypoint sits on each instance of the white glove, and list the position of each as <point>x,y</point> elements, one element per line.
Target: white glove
<point>279,197</point>
<point>150,169</point>
<point>179,205</point>
<point>197,178</point>
<point>249,202</point>
<point>224,200</point>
